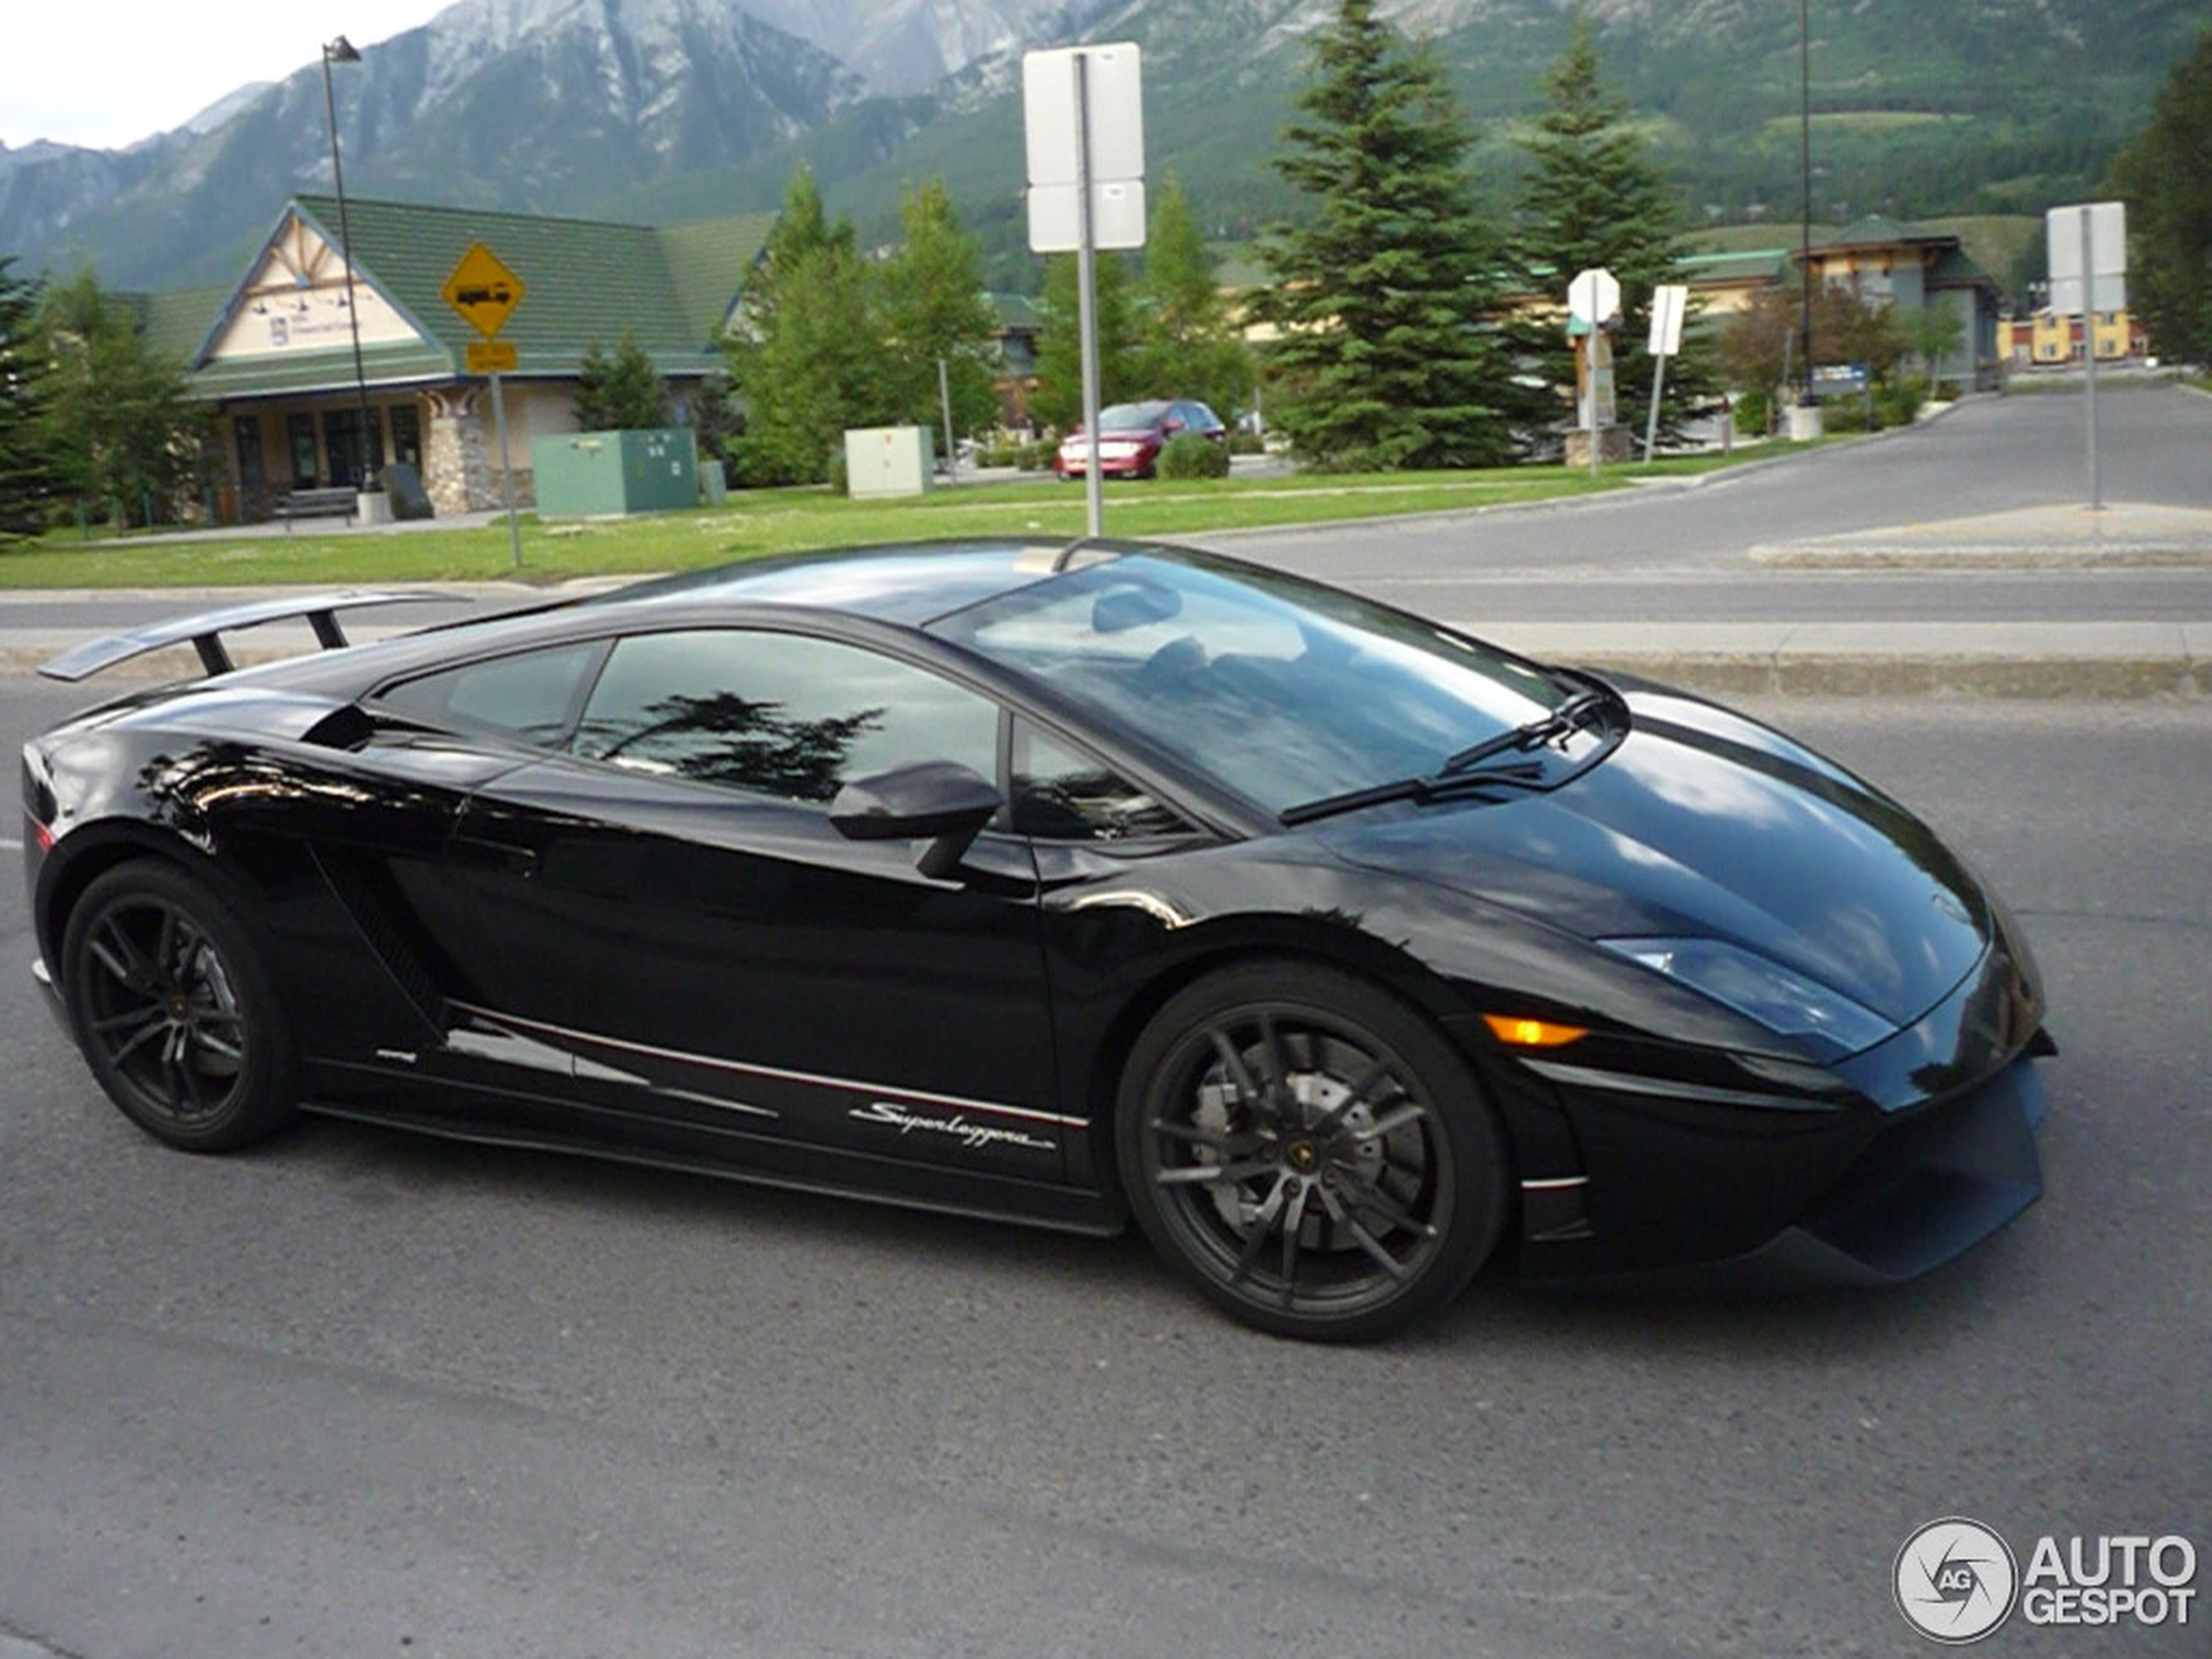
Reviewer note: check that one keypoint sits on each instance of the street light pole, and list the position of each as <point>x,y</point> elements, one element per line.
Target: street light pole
<point>1805,170</point>
<point>342,51</point>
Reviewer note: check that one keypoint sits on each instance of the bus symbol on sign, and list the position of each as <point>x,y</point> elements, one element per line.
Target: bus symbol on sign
<point>483,290</point>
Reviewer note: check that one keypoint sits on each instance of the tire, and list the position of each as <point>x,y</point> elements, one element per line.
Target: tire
<point>173,1005</point>
<point>1309,1152</point>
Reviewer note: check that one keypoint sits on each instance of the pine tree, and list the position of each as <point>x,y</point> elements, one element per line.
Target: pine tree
<point>934,310</point>
<point>1594,199</point>
<point>622,392</point>
<point>26,463</point>
<point>123,428</point>
<point>1058,401</point>
<point>2165,175</point>
<point>1189,346</point>
<point>1389,354</point>
<point>805,352</point>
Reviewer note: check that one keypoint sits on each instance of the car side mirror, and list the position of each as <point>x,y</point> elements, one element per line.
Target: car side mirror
<point>1170,425</point>
<point>939,800</point>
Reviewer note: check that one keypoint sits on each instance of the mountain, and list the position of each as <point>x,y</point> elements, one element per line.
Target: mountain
<point>663,109</point>
<point>533,105</point>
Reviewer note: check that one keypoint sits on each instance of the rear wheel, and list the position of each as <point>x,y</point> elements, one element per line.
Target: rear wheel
<point>175,1010</point>
<point>1310,1152</point>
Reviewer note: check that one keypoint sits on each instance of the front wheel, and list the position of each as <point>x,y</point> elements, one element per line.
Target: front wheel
<point>1310,1152</point>
<point>175,1010</point>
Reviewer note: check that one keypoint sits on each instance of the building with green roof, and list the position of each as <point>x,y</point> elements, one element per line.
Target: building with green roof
<point>274,355</point>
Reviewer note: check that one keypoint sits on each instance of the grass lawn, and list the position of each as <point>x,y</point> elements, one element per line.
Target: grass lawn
<point>758,522</point>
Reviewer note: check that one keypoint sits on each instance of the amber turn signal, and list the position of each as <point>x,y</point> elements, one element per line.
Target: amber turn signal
<point>1522,1033</point>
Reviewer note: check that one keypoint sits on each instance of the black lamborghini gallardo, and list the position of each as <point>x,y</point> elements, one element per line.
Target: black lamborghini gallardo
<point>1064,883</point>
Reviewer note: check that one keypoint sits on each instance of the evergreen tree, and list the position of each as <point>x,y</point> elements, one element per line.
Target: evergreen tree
<point>1058,401</point>
<point>1594,199</point>
<point>1190,346</point>
<point>123,428</point>
<point>622,392</point>
<point>806,352</point>
<point>1385,297</point>
<point>934,310</point>
<point>26,464</point>
<point>2165,175</point>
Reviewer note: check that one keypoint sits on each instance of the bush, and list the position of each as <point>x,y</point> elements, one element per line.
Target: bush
<point>1754,414</point>
<point>1190,455</point>
<point>1900,400</point>
<point>1247,443</point>
<point>1848,414</point>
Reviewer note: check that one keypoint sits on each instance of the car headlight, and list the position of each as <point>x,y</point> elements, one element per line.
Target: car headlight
<point>1786,1003</point>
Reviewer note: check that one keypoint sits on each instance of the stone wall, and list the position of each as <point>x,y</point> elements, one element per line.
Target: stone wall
<point>457,462</point>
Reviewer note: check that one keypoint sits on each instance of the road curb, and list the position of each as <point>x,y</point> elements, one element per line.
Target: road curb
<point>1986,556</point>
<point>2072,678</point>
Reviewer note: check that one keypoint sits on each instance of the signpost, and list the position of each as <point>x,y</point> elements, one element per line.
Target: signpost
<point>2089,253</point>
<point>1082,110</point>
<point>485,293</point>
<point>1668,302</point>
<point>1593,306</point>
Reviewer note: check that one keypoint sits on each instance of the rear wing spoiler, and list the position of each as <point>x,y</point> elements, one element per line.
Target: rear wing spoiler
<point>206,631</point>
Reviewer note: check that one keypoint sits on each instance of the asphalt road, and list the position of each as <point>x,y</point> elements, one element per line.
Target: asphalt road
<point>360,1393</point>
<point>1672,555</point>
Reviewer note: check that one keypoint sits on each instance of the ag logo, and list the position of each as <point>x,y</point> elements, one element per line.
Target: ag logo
<point>1955,1581</point>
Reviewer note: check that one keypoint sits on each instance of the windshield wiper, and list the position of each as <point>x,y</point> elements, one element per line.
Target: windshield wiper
<point>1563,722</point>
<point>1468,772</point>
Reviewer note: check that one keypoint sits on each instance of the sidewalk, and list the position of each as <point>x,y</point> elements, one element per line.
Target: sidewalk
<point>1812,658</point>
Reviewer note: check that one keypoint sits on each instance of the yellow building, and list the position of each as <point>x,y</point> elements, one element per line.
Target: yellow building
<point>2046,340</point>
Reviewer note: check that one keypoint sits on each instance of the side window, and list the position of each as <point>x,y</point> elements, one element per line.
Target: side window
<point>531,697</point>
<point>778,714</point>
<point>1062,794</point>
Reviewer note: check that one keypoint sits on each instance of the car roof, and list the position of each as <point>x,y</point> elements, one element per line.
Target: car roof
<point>907,583</point>
<point>905,586</point>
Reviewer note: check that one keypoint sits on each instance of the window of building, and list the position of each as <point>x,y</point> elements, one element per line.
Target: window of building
<point>246,433</point>
<point>342,439</point>
<point>300,441</point>
<point>407,435</point>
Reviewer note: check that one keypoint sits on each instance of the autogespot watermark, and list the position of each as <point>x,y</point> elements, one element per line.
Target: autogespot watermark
<point>1957,1579</point>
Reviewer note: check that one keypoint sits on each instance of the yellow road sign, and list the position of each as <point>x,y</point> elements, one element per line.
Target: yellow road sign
<point>491,357</point>
<point>483,290</point>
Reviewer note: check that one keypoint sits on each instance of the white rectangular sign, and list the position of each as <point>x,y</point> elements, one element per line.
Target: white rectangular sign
<point>1114,91</point>
<point>1668,302</point>
<point>1116,216</point>
<point>2073,289</point>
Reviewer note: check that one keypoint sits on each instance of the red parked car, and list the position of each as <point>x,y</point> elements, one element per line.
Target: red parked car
<point>1132,436</point>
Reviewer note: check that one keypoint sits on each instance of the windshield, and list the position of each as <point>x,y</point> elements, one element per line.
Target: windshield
<point>1130,417</point>
<point>1285,691</point>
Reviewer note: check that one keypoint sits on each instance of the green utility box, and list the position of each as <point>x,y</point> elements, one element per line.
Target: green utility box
<point>584,475</point>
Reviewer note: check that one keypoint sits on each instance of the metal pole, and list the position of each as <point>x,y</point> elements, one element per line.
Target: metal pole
<point>945,404</point>
<point>2089,354</point>
<point>506,468</point>
<point>1805,169</point>
<point>1658,391</point>
<point>342,51</point>
<point>1087,313</point>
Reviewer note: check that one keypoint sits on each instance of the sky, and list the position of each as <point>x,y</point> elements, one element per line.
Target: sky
<point>105,73</point>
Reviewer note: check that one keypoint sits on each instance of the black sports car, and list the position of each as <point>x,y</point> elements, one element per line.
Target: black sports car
<point>1060,883</point>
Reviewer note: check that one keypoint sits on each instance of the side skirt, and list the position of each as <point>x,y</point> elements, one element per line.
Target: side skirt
<point>837,1175</point>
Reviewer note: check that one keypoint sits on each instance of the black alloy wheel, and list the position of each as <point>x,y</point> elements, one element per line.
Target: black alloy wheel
<point>1310,1152</point>
<point>175,1010</point>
